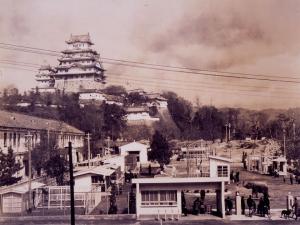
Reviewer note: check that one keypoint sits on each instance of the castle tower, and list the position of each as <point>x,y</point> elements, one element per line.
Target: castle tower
<point>45,79</point>
<point>79,66</point>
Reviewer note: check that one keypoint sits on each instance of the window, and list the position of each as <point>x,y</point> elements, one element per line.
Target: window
<point>163,198</point>
<point>10,138</point>
<point>222,171</point>
<point>19,137</point>
<point>15,139</point>
<point>5,139</point>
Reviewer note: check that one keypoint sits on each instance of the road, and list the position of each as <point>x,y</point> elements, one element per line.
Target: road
<point>117,222</point>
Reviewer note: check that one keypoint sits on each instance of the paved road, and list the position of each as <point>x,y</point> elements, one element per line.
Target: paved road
<point>116,222</point>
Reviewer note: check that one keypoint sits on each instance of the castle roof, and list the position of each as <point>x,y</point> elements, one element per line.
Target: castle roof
<point>85,38</point>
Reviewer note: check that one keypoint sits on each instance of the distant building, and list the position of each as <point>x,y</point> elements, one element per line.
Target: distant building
<point>45,79</point>
<point>16,130</point>
<point>135,154</point>
<point>139,114</point>
<point>157,100</point>
<point>97,97</point>
<point>79,68</point>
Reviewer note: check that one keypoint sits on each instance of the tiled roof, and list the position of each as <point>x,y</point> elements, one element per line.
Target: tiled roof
<point>18,120</point>
<point>137,109</point>
<point>85,38</point>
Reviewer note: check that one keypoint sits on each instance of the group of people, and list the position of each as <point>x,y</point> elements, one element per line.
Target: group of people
<point>198,206</point>
<point>261,209</point>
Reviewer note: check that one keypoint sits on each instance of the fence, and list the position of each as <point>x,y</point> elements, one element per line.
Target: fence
<point>56,201</point>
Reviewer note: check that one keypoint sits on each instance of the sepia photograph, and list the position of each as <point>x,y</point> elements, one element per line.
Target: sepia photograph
<point>149,112</point>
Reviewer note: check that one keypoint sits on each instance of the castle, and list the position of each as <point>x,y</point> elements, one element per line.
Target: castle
<point>79,68</point>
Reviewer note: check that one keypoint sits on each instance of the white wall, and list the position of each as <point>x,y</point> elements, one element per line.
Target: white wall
<point>213,167</point>
<point>83,183</point>
<point>117,160</point>
<point>155,209</point>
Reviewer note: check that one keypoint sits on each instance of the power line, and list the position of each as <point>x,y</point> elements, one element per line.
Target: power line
<point>194,89</point>
<point>35,65</point>
<point>148,65</point>
<point>204,74</point>
<point>147,79</point>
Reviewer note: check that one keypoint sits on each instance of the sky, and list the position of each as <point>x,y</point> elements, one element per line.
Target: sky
<point>258,37</point>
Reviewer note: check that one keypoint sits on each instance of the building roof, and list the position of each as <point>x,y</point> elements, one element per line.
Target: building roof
<point>18,120</point>
<point>85,38</point>
<point>220,158</point>
<point>99,170</point>
<point>22,188</point>
<point>176,180</point>
<point>133,146</point>
<point>137,109</point>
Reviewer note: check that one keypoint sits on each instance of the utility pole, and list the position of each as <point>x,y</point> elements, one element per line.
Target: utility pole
<point>29,138</point>
<point>71,185</point>
<point>89,149</point>
<point>284,147</point>
<point>294,130</point>
<point>229,125</point>
<point>226,138</point>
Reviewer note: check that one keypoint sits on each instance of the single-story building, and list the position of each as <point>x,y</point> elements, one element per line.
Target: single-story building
<point>162,195</point>
<point>93,179</point>
<point>15,198</point>
<point>135,154</point>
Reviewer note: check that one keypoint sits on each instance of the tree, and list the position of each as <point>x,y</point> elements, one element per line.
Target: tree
<point>8,168</point>
<point>208,123</point>
<point>135,98</point>
<point>113,209</point>
<point>159,149</point>
<point>56,167</point>
<point>114,120</point>
<point>181,112</point>
<point>42,152</point>
<point>115,90</point>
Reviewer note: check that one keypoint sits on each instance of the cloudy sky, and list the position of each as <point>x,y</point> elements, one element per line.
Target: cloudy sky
<point>258,37</point>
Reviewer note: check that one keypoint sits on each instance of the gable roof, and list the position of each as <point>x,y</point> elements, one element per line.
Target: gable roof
<point>133,146</point>
<point>219,158</point>
<point>99,170</point>
<point>18,120</point>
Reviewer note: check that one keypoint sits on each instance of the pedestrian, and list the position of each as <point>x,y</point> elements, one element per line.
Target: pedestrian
<point>250,204</point>
<point>243,206</point>
<point>267,201</point>
<point>295,208</point>
<point>260,207</point>
<point>149,169</point>
<point>231,176</point>
<point>228,206</point>
<point>237,177</point>
<point>283,178</point>
<point>291,178</point>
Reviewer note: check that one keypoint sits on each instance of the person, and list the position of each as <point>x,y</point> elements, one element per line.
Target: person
<point>291,178</point>
<point>237,177</point>
<point>266,202</point>
<point>196,206</point>
<point>229,204</point>
<point>149,169</point>
<point>231,176</point>
<point>283,179</point>
<point>250,204</point>
<point>295,208</point>
<point>243,206</point>
<point>260,207</point>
